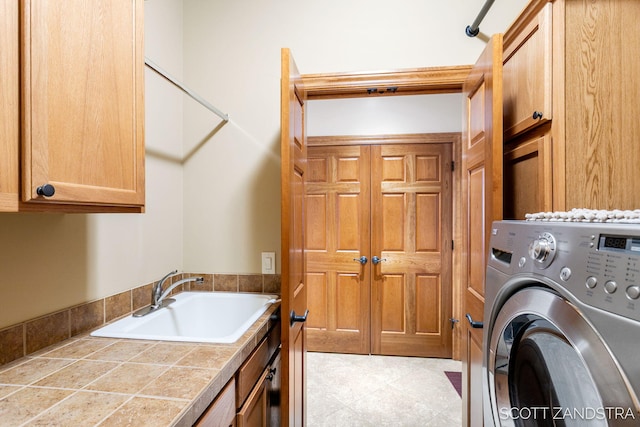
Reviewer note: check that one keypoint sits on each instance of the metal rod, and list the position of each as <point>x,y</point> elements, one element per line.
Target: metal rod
<point>473,29</point>
<point>186,90</point>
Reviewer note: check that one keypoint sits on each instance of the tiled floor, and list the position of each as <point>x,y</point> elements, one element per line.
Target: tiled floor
<point>357,390</point>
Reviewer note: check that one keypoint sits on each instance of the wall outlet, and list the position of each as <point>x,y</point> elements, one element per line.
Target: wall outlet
<point>268,263</point>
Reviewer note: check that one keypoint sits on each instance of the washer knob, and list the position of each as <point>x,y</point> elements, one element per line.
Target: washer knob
<point>591,282</point>
<point>543,249</point>
<point>610,286</point>
<point>633,292</point>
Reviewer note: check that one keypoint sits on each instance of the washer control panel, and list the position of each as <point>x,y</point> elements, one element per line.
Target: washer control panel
<point>597,263</point>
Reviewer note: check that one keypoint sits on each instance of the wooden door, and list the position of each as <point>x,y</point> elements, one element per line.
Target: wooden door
<point>411,235</point>
<point>482,204</point>
<point>82,70</point>
<point>337,249</point>
<point>293,152</point>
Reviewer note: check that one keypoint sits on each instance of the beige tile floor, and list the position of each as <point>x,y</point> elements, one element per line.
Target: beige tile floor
<point>360,390</point>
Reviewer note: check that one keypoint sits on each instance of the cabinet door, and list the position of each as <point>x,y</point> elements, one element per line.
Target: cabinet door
<point>82,101</point>
<point>9,106</point>
<point>527,74</point>
<point>273,392</point>
<point>222,412</point>
<point>254,411</point>
<point>528,177</point>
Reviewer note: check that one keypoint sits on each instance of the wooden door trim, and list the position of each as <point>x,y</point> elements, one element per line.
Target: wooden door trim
<point>426,81</point>
<point>413,81</point>
<point>410,138</point>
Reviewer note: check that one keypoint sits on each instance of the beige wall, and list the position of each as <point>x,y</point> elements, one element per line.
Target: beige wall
<point>53,261</point>
<point>217,210</point>
<point>232,57</point>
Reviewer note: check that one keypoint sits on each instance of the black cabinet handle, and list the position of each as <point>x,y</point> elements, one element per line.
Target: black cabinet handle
<point>271,374</point>
<point>293,317</point>
<point>46,190</point>
<point>537,115</point>
<point>473,323</point>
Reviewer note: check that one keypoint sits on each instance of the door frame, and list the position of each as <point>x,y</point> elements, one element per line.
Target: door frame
<point>454,139</point>
<point>415,81</point>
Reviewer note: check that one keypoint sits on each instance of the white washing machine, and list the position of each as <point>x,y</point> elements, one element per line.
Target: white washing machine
<point>562,324</point>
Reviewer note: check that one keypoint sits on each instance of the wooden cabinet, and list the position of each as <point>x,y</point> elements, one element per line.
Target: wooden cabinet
<point>222,412</point>
<point>258,379</point>
<point>589,156</point>
<point>527,175</point>
<point>73,116</point>
<point>526,74</point>
<point>252,396</point>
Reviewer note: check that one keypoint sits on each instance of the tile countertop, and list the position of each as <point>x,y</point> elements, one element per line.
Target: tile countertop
<point>93,381</point>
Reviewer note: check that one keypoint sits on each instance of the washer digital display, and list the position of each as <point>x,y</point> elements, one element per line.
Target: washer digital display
<point>619,243</point>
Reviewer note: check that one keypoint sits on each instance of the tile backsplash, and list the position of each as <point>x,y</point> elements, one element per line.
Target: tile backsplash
<point>32,335</point>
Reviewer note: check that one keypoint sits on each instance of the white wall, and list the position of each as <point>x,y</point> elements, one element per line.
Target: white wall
<point>380,115</point>
<point>53,261</point>
<point>232,58</point>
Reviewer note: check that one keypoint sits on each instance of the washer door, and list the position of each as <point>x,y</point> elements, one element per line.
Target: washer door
<point>548,367</point>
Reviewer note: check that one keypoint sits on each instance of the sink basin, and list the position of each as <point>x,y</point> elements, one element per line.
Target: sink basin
<point>211,317</point>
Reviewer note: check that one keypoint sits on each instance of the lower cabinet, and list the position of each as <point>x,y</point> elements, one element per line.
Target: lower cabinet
<point>252,397</point>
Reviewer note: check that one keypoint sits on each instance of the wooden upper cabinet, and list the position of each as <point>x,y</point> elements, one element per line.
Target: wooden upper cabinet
<point>81,97</point>
<point>527,73</point>
<point>9,106</point>
<point>583,153</point>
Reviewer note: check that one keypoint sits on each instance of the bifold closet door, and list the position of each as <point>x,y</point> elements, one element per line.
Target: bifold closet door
<point>412,237</point>
<point>337,226</point>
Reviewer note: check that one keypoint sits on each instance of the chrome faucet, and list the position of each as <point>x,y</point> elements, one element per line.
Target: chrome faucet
<point>158,294</point>
<point>161,302</point>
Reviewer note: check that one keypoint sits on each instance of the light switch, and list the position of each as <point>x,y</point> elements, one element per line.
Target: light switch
<point>268,263</point>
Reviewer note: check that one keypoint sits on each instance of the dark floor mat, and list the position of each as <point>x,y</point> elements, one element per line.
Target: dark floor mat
<point>456,380</point>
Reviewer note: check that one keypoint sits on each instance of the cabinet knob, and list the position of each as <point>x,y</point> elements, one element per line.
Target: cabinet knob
<point>46,190</point>
<point>537,115</point>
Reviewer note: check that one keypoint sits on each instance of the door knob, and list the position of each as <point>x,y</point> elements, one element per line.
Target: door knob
<point>362,260</point>
<point>293,317</point>
<point>473,323</point>
<point>375,260</point>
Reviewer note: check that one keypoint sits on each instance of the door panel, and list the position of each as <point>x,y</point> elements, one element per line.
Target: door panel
<point>411,233</point>
<point>294,292</point>
<point>482,204</point>
<point>337,224</point>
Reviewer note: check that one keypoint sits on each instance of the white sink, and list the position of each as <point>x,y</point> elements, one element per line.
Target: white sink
<point>211,317</point>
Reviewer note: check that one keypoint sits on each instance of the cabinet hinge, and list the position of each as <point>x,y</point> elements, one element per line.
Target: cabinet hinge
<point>453,166</point>
<point>452,245</point>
